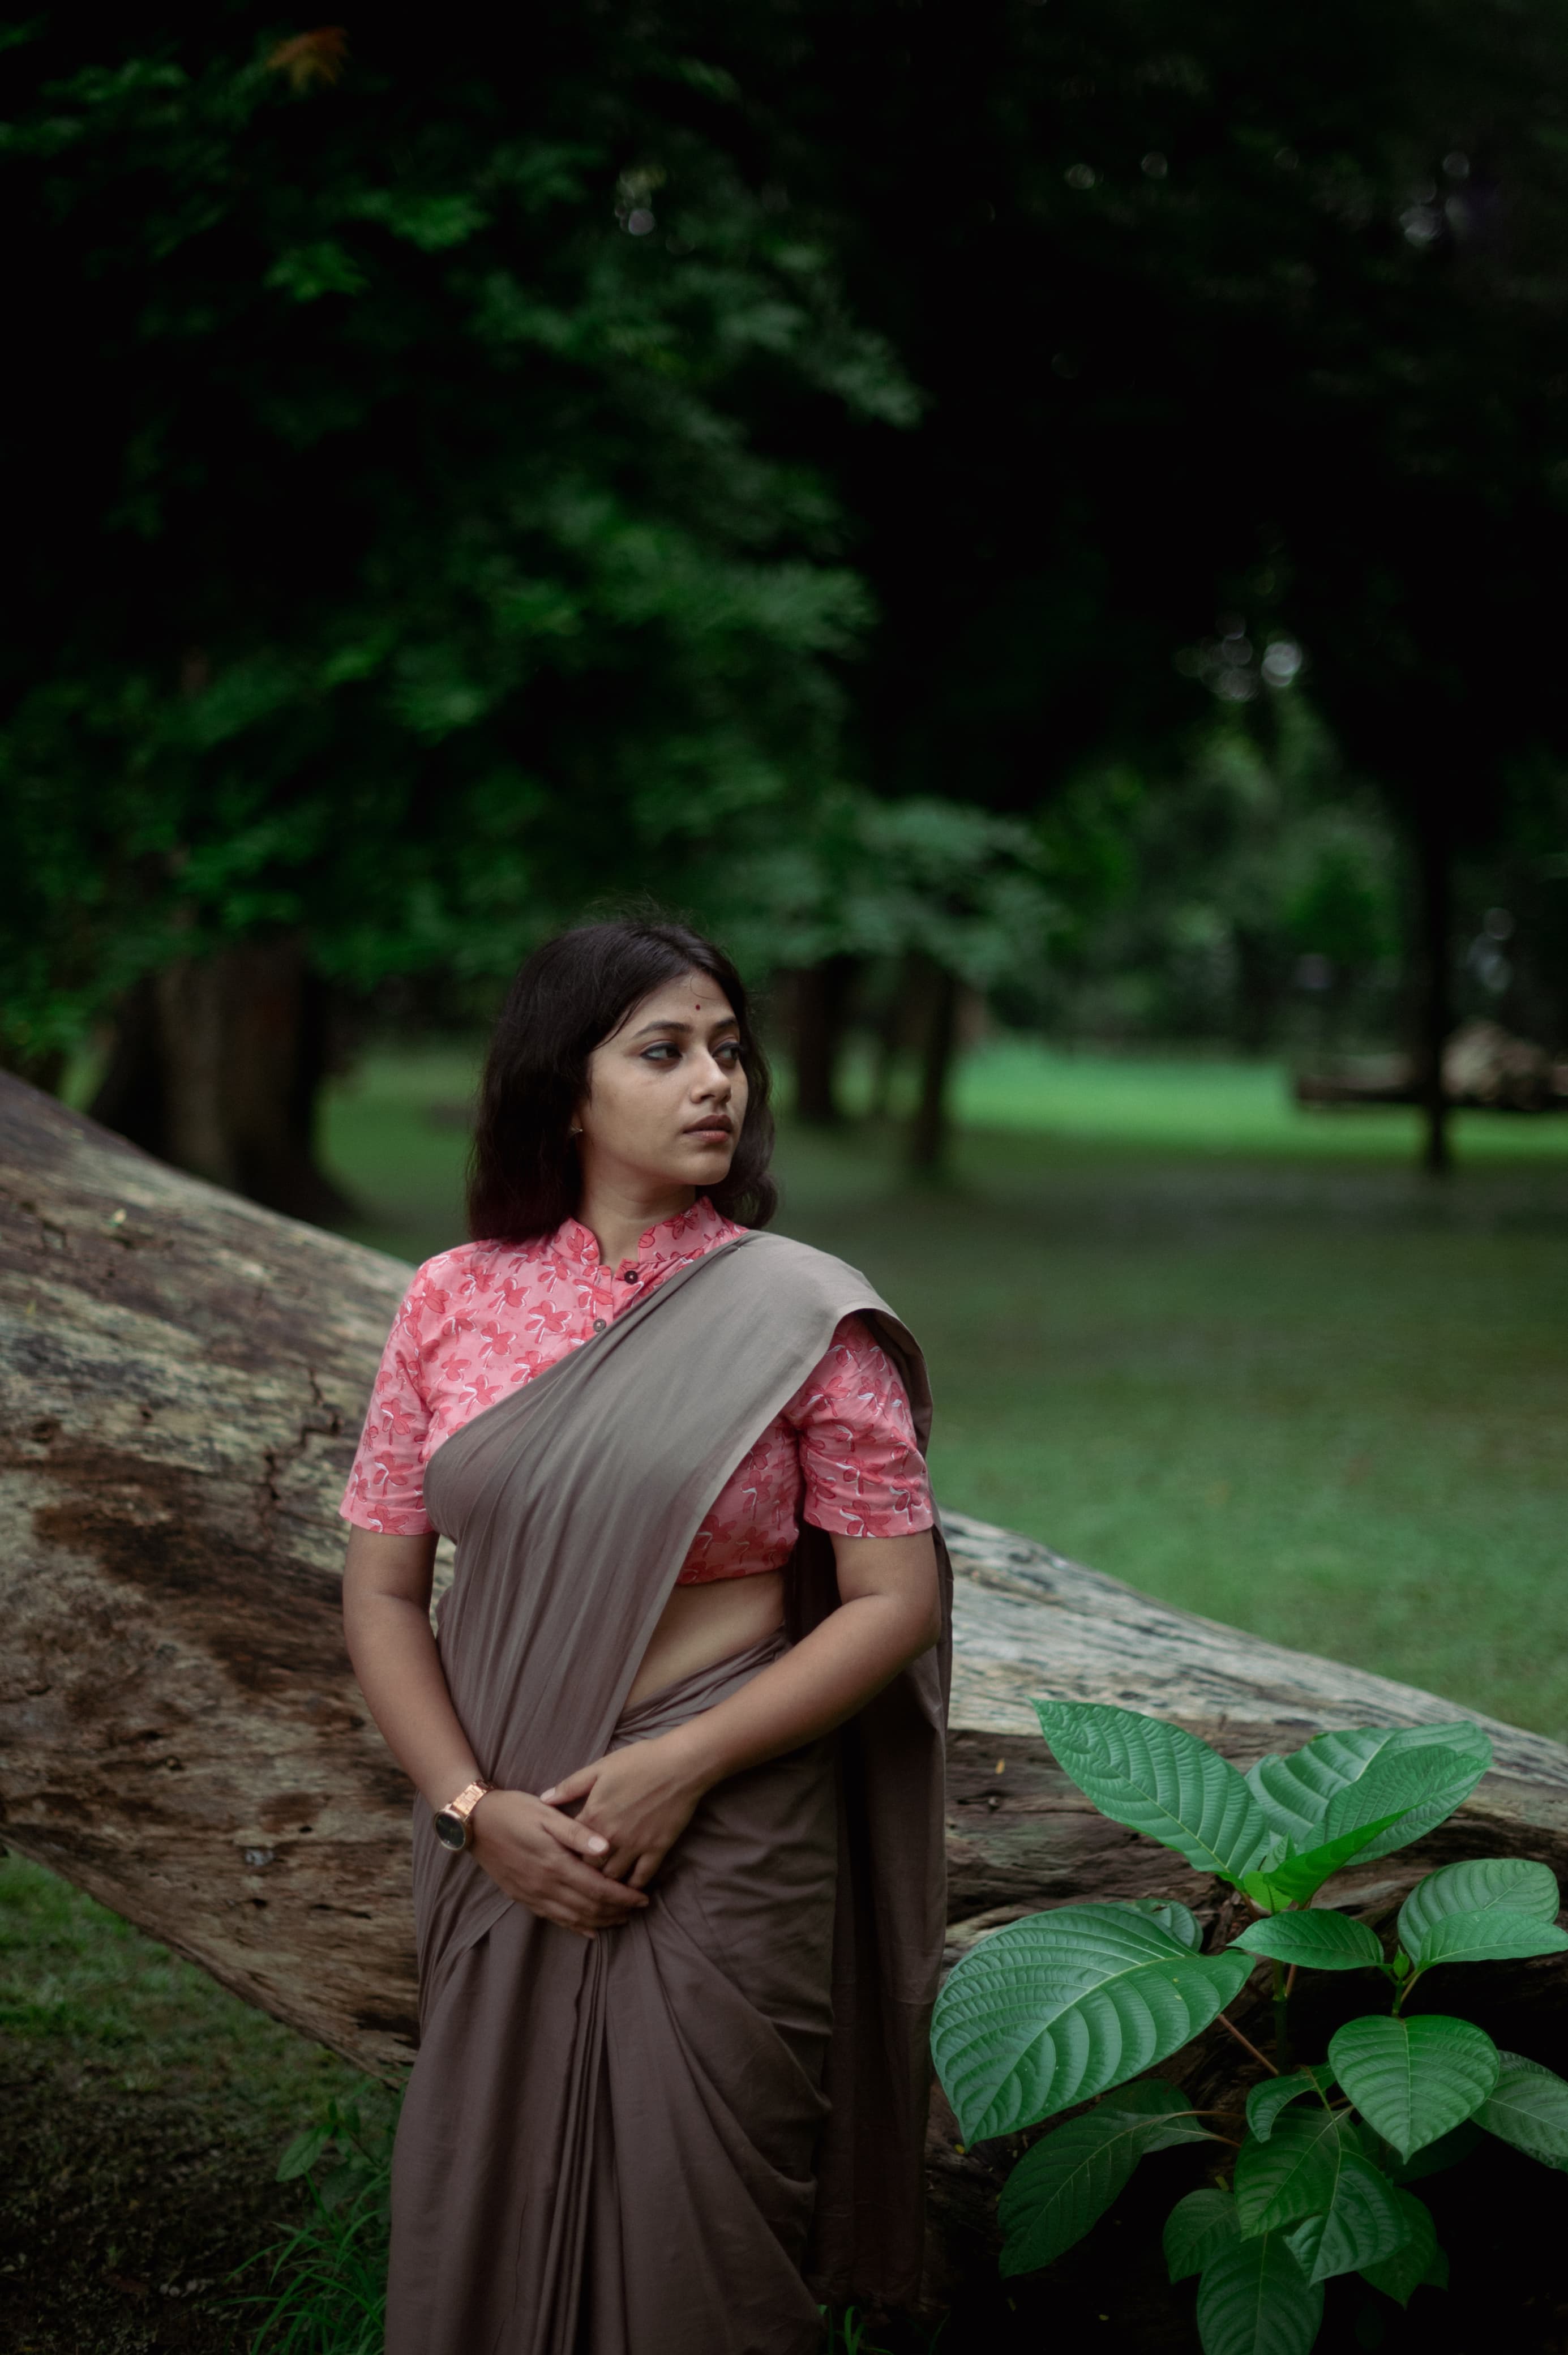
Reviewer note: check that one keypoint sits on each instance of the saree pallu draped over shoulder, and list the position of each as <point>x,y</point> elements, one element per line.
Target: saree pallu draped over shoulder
<point>678,2138</point>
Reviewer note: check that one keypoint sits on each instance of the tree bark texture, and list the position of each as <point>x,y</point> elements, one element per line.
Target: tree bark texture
<point>217,1065</point>
<point>182,1379</point>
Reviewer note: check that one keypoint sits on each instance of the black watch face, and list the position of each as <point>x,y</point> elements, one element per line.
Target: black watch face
<point>451,1831</point>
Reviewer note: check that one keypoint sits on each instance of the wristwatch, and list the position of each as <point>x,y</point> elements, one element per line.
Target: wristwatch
<point>452,1826</point>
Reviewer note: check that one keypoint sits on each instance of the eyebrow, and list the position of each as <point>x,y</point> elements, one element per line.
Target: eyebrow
<point>730,1022</point>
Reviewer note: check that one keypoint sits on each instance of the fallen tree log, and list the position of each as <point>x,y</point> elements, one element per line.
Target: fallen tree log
<point>182,1378</point>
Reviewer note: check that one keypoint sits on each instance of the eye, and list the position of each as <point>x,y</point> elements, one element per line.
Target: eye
<point>658,1054</point>
<point>729,1051</point>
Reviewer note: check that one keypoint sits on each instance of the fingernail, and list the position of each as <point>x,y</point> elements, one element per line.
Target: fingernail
<point>549,1794</point>
<point>597,1843</point>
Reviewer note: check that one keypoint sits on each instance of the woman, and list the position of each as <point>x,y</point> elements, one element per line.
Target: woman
<point>677,1855</point>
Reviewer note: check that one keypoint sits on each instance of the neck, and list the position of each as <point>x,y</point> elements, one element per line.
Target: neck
<point>618,1214</point>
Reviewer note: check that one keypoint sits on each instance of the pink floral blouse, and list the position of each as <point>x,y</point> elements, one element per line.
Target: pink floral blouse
<point>478,1322</point>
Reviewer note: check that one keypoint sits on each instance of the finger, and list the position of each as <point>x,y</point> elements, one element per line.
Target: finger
<point>589,1929</point>
<point>645,1869</point>
<point>585,1923</point>
<point>575,1786</point>
<point>576,1836</point>
<point>609,1897</point>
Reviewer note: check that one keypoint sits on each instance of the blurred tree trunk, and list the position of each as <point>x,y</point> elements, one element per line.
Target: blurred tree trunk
<point>892,1035</point>
<point>820,1005</point>
<point>1258,989</point>
<point>928,1139</point>
<point>1434,1007</point>
<point>217,1066</point>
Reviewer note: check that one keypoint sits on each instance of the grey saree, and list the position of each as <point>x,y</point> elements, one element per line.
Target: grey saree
<point>674,2138</point>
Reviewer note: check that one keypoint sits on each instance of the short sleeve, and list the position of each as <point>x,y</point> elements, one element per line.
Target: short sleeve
<point>386,1485</point>
<point>863,1471</point>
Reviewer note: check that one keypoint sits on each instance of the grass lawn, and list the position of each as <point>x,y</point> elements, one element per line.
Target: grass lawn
<point>1240,1355</point>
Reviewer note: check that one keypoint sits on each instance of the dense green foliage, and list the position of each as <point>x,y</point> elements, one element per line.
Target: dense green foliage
<point>1243,338</point>
<point>1255,894</point>
<point>1053,2009</point>
<point>1234,328</point>
<point>453,490</point>
<point>414,569</point>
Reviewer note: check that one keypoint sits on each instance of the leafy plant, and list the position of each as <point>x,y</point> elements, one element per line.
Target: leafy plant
<point>1070,2006</point>
<point>326,2283</point>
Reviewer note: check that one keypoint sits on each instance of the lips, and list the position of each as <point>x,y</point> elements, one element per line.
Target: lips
<point>713,1131</point>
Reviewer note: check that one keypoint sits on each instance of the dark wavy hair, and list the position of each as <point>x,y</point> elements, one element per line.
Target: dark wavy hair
<point>572,993</point>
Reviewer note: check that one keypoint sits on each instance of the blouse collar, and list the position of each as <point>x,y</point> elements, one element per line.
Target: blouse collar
<point>684,1236</point>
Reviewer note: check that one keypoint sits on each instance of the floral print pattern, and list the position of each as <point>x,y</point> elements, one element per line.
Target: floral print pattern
<point>478,1322</point>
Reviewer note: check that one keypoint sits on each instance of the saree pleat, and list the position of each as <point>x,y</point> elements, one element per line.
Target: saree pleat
<point>681,2134</point>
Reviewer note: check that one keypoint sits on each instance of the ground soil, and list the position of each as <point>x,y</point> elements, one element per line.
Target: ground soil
<point>144,2113</point>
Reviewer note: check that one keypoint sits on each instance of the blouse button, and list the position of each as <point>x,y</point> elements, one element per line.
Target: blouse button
<point>599,1324</point>
<point>632,1276</point>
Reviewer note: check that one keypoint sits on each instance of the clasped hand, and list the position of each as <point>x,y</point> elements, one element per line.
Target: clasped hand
<point>587,1873</point>
<point>638,1800</point>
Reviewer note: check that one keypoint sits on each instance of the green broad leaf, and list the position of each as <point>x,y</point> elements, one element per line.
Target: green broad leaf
<point>1255,2299</point>
<point>1295,2172</point>
<point>1197,2229</point>
<point>1417,2262</point>
<point>1492,1937</point>
<point>1529,2107</point>
<point>1421,1786</point>
<point>1159,1780</point>
<point>1323,1941</point>
<point>1294,1793</point>
<point>1293,1879</point>
<point>1432,2158</point>
<point>303,2153</point>
<point>1166,2113</point>
<point>1483,1884</point>
<point>1057,2008</point>
<point>1069,2177</point>
<point>1265,2102</point>
<point>1290,1814</point>
<point>1413,2080</point>
<point>1171,1914</point>
<point>1364,2223</point>
<point>1063,2186</point>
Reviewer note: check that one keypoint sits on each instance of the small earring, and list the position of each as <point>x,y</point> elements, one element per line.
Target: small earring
<point>574,1132</point>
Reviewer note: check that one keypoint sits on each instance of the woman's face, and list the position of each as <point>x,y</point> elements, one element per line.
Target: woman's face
<point>666,1094</point>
